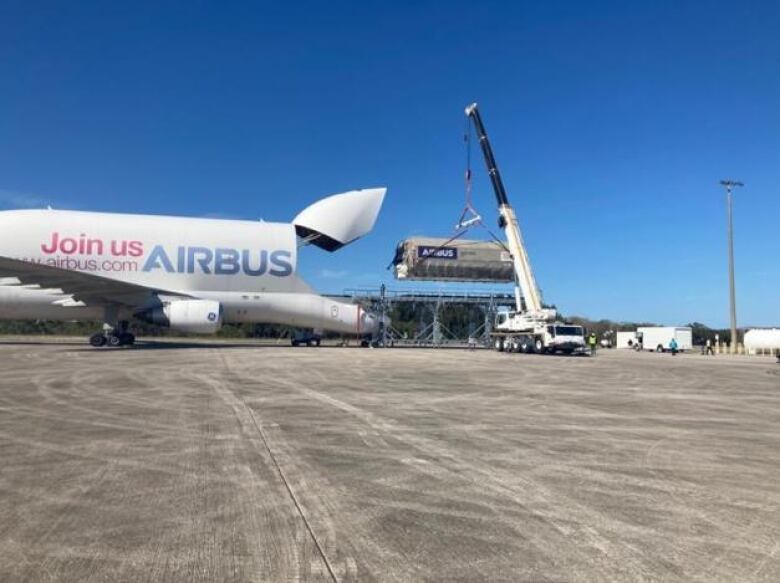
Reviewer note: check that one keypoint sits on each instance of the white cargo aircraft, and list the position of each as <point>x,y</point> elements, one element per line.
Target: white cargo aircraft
<point>190,274</point>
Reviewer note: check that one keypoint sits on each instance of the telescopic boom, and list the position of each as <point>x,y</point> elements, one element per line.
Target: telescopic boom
<point>508,221</point>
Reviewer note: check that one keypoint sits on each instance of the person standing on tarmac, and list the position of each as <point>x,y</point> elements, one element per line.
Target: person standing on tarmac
<point>673,346</point>
<point>592,343</point>
<point>709,349</point>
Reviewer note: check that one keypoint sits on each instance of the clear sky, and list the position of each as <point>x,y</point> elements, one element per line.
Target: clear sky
<point>612,123</point>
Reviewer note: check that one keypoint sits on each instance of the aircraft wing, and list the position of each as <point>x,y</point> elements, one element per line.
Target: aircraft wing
<point>92,290</point>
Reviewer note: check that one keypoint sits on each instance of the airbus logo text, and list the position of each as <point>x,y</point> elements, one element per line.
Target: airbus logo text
<point>220,261</point>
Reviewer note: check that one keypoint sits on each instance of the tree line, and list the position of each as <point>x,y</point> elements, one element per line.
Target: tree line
<point>409,319</point>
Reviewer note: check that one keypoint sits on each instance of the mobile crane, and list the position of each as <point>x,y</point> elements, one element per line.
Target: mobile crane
<point>530,327</point>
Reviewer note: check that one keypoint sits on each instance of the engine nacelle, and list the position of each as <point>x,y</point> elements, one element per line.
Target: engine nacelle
<point>192,316</point>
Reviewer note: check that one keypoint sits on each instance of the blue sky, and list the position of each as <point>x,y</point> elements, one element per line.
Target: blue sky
<point>612,123</point>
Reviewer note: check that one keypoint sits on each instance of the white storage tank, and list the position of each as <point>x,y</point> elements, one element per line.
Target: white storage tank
<point>762,341</point>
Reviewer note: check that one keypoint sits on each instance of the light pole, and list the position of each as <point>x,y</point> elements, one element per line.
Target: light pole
<point>729,185</point>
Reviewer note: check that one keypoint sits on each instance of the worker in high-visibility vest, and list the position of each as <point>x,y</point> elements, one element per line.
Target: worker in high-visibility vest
<point>592,343</point>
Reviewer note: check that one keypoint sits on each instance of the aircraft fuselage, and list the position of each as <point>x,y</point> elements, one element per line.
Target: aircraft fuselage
<point>249,267</point>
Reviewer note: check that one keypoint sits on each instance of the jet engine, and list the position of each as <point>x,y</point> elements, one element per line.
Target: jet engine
<point>192,316</point>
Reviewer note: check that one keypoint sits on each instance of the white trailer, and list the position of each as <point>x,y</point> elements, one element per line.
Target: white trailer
<point>625,339</point>
<point>658,338</point>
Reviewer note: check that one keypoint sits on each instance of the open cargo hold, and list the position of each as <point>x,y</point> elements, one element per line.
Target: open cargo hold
<point>431,259</point>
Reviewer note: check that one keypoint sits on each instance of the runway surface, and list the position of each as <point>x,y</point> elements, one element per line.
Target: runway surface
<point>240,463</point>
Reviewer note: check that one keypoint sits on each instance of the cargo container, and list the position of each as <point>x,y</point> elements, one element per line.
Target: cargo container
<point>434,259</point>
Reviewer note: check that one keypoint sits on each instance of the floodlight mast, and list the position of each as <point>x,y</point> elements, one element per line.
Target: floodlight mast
<point>729,185</point>
<point>508,222</point>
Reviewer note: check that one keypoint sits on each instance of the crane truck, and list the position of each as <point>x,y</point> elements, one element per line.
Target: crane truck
<point>530,327</point>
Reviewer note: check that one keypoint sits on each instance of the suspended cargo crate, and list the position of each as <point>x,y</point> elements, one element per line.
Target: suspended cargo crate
<point>431,259</point>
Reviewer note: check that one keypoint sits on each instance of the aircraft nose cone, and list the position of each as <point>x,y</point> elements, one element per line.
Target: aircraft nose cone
<point>371,322</point>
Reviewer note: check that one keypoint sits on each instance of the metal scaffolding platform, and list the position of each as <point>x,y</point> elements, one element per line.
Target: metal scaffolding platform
<point>431,331</point>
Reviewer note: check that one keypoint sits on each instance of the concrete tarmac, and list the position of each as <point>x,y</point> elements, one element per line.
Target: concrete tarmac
<point>200,462</point>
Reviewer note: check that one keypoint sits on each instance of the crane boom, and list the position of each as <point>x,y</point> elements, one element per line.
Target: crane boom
<point>508,221</point>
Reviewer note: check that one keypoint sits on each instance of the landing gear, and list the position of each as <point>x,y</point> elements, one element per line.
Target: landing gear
<point>114,340</point>
<point>123,339</point>
<point>113,336</point>
<point>306,340</point>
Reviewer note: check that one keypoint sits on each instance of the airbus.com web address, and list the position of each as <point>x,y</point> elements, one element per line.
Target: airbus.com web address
<point>85,264</point>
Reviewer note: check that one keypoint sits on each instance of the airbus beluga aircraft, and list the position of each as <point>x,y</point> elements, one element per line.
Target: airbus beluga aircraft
<point>189,274</point>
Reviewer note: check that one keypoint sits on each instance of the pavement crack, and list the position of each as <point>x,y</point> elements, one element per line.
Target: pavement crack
<point>282,476</point>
